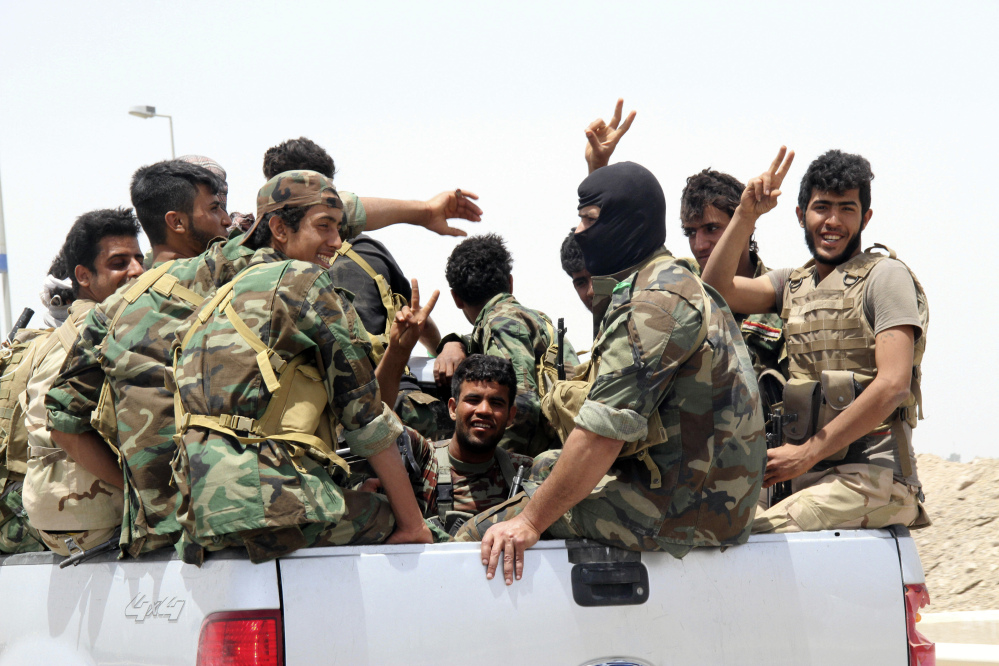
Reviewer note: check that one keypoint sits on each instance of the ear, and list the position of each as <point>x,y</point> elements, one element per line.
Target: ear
<point>451,409</point>
<point>867,218</point>
<point>458,302</point>
<point>511,284</point>
<point>801,216</point>
<point>278,229</point>
<point>513,410</point>
<point>176,222</point>
<point>83,276</point>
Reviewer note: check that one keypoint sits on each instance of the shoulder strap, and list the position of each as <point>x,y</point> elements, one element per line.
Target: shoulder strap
<point>445,486</point>
<point>506,465</point>
<point>384,291</point>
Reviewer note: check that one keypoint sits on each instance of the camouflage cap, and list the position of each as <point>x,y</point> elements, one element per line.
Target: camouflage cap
<point>294,189</point>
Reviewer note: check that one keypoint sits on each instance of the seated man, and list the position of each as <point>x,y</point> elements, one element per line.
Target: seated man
<point>479,274</point>
<point>266,372</point>
<point>469,473</point>
<point>856,330</point>
<point>668,448</point>
<point>64,501</point>
<point>367,269</point>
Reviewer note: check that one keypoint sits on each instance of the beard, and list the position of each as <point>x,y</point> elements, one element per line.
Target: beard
<point>475,445</point>
<point>847,252</point>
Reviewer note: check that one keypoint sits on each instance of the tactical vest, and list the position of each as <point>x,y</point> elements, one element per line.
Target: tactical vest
<point>391,301</point>
<point>449,519</point>
<point>297,413</point>
<point>60,494</point>
<point>831,344</point>
<point>562,404</point>
<point>15,364</point>
<point>104,419</point>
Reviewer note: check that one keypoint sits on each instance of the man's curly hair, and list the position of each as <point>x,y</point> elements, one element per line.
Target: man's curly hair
<point>482,368</point>
<point>571,255</point>
<point>479,268</point>
<point>709,188</point>
<point>837,172</point>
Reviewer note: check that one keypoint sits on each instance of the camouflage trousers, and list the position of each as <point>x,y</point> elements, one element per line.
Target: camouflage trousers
<point>16,535</point>
<point>603,516</point>
<point>845,496</point>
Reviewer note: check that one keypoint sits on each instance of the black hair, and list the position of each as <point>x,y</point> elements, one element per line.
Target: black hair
<point>290,215</point>
<point>83,242</point>
<point>167,186</point>
<point>296,155</point>
<point>571,255</point>
<point>709,188</point>
<point>484,368</point>
<point>837,172</point>
<point>479,268</point>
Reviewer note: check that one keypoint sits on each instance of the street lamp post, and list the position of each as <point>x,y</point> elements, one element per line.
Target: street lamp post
<point>150,112</point>
<point>4,276</point>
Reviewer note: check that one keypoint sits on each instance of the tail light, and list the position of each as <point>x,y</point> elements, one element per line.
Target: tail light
<point>922,652</point>
<point>242,638</point>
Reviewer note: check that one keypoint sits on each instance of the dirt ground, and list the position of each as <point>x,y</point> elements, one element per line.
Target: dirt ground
<point>960,550</point>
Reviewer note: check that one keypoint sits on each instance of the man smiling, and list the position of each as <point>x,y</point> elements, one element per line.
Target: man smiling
<point>856,331</point>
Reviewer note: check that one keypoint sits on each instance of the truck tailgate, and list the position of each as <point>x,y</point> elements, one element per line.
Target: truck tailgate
<point>105,611</point>
<point>816,598</point>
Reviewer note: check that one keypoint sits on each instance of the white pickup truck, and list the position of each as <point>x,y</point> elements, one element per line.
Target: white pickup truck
<point>837,597</point>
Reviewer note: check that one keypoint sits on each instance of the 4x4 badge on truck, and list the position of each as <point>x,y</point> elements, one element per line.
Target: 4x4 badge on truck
<point>141,609</point>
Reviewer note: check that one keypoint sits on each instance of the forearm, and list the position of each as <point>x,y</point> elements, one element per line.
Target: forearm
<point>431,336</point>
<point>93,454</point>
<point>389,373</point>
<point>384,212</point>
<point>871,407</point>
<point>585,459</point>
<point>387,465</point>
<point>723,264</point>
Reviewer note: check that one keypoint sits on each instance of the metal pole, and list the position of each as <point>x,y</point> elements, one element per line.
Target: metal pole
<point>173,153</point>
<point>4,277</point>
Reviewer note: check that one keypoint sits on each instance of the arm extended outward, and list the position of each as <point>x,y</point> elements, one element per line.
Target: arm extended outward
<point>432,214</point>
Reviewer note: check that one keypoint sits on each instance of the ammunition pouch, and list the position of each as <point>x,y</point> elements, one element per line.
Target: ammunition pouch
<point>810,405</point>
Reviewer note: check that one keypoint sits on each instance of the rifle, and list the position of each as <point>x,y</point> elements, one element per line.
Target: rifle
<point>560,356</point>
<point>771,397</point>
<point>21,322</point>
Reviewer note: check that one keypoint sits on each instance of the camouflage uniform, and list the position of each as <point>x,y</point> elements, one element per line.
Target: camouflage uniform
<point>294,309</point>
<point>507,329</point>
<point>61,497</point>
<point>476,487</point>
<point>710,465</point>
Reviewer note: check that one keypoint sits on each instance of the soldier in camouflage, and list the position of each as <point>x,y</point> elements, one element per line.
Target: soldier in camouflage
<point>64,501</point>
<point>289,315</point>
<point>477,474</point>
<point>668,449</point>
<point>121,361</point>
<point>479,274</point>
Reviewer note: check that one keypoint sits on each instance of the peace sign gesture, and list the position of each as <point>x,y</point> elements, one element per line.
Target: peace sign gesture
<point>407,327</point>
<point>760,195</point>
<point>603,137</point>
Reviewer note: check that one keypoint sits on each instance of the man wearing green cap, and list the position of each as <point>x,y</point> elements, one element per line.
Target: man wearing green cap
<point>267,372</point>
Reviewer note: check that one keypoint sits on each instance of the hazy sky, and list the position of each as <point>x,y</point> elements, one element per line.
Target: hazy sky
<point>415,98</point>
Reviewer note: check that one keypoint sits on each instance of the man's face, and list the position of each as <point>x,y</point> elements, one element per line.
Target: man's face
<point>118,261</point>
<point>208,219</point>
<point>318,236</point>
<point>582,282</point>
<point>480,415</point>
<point>704,232</point>
<point>587,217</point>
<point>833,225</point>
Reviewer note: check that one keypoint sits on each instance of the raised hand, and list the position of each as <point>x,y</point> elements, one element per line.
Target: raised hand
<point>602,137</point>
<point>760,195</point>
<point>407,327</point>
<point>451,205</point>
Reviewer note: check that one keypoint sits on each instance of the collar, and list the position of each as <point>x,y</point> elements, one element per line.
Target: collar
<point>502,297</point>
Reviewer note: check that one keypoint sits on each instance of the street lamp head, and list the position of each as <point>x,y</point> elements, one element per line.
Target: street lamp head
<point>142,111</point>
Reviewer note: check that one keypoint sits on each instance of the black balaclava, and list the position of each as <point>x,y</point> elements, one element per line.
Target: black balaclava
<point>632,222</point>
